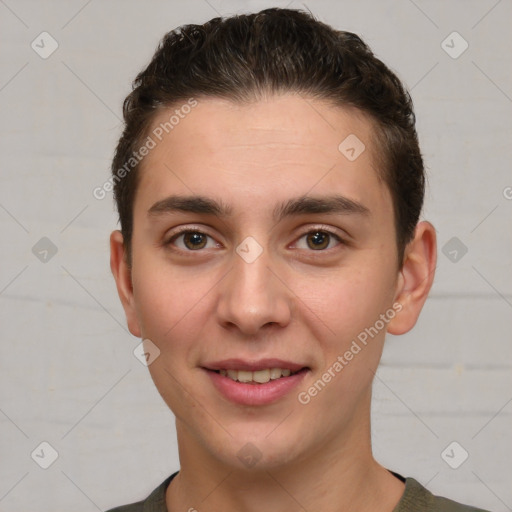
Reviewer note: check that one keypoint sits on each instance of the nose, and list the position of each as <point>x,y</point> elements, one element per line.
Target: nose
<point>252,297</point>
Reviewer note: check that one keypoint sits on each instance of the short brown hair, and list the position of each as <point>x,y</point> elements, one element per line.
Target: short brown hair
<point>277,50</point>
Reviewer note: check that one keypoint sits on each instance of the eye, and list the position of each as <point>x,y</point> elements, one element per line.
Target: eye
<point>192,240</point>
<point>318,240</point>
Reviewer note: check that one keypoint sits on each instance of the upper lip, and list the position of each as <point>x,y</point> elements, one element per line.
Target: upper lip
<point>253,366</point>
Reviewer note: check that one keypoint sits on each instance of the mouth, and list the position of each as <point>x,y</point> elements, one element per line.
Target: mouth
<point>255,383</point>
<point>258,376</point>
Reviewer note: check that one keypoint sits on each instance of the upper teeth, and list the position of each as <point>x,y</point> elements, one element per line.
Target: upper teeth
<point>260,376</point>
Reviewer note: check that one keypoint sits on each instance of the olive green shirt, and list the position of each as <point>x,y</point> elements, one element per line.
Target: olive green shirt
<point>415,498</point>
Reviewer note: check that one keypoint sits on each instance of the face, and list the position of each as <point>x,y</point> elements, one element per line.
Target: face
<point>259,245</point>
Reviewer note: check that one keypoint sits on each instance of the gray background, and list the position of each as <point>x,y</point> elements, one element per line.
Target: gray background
<point>68,373</point>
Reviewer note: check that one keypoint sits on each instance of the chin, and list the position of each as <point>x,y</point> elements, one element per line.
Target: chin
<point>254,449</point>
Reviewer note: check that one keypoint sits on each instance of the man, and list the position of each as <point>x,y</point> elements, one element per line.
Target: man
<point>269,185</point>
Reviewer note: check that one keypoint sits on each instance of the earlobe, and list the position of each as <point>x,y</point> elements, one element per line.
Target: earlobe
<point>122,276</point>
<point>415,278</point>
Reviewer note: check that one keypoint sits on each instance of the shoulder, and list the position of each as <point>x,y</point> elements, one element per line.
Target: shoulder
<point>419,499</point>
<point>133,507</point>
<point>155,502</point>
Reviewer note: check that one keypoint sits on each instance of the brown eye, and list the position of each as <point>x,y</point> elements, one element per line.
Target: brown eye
<point>318,240</point>
<point>194,240</point>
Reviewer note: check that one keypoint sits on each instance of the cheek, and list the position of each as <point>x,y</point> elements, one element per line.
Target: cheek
<point>173,312</point>
<point>347,301</point>
<point>169,300</point>
<point>349,305</point>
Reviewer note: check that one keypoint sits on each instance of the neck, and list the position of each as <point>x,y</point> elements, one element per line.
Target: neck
<point>338,475</point>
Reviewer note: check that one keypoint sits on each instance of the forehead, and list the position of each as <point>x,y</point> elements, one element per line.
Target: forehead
<point>263,151</point>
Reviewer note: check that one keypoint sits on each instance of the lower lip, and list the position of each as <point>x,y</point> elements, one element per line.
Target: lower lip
<point>255,394</point>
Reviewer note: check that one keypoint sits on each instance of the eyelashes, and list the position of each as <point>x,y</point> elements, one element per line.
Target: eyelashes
<point>318,237</point>
<point>189,240</point>
<point>193,240</point>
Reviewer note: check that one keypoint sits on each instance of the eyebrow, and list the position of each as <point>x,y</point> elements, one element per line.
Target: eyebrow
<point>302,205</point>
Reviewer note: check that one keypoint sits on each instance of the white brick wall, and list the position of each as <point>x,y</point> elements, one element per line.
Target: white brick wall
<point>64,344</point>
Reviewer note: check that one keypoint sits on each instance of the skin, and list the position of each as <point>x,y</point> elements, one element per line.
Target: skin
<point>293,302</point>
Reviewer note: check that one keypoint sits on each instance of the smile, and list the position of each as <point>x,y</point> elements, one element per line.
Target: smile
<point>256,377</point>
<point>255,383</point>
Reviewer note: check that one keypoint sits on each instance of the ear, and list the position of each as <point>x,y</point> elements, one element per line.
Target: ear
<point>122,275</point>
<point>415,278</point>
